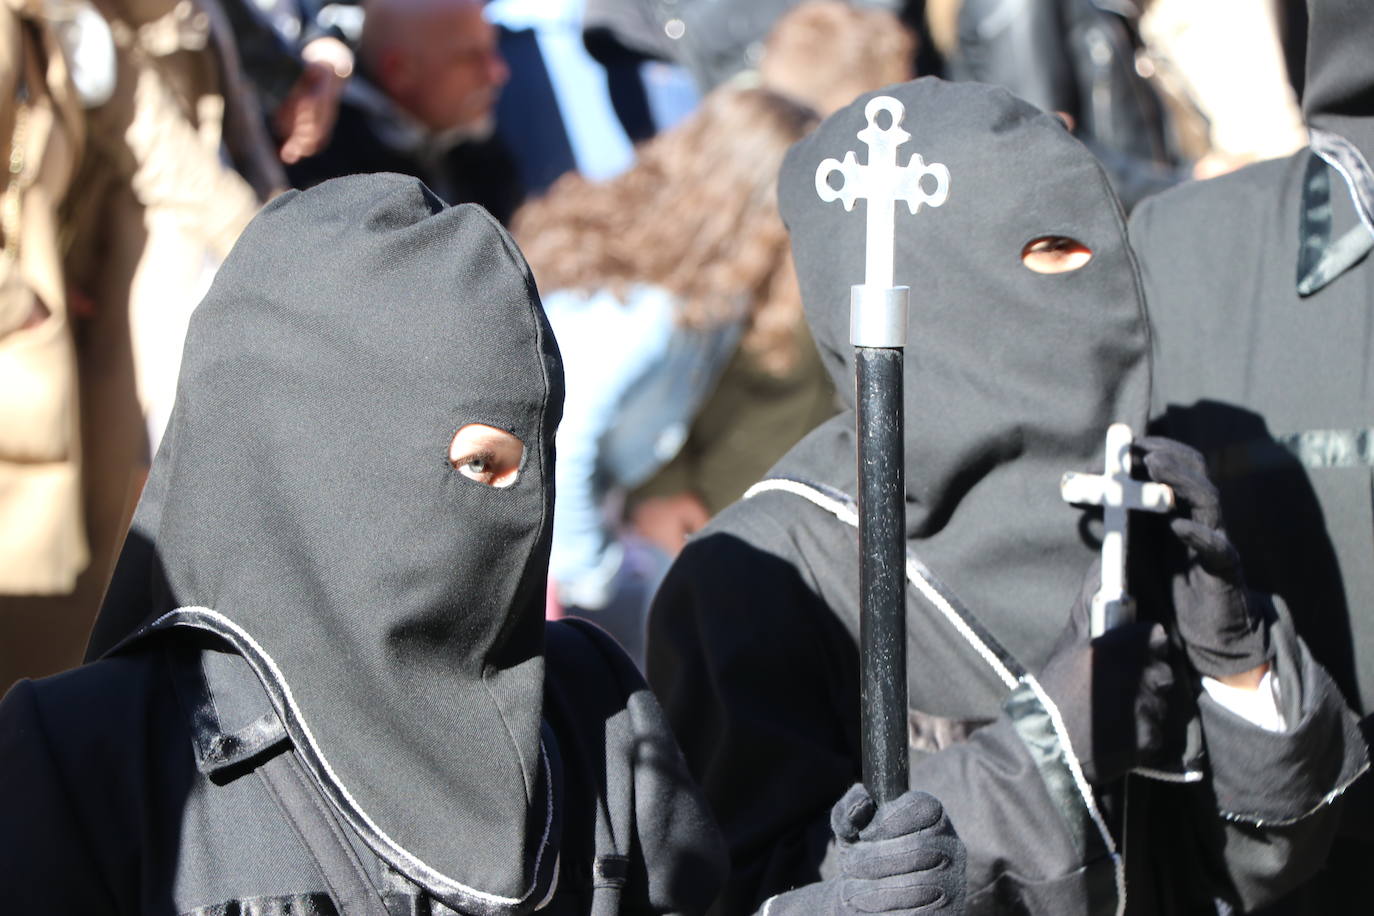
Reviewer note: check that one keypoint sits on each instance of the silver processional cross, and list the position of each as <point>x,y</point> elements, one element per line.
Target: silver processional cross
<point>882,183</point>
<point>1117,493</point>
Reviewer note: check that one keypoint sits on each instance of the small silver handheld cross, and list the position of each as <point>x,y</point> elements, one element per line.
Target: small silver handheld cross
<point>878,314</point>
<point>1118,494</point>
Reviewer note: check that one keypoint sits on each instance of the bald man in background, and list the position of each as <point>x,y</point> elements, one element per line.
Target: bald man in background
<point>422,103</point>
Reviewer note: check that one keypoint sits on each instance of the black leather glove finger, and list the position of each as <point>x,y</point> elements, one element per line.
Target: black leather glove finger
<point>1220,631</point>
<point>1113,692</point>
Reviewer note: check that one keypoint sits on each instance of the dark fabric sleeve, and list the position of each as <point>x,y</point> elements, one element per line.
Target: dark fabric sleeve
<point>353,149</point>
<point>1279,794</point>
<point>657,821</point>
<point>1029,55</point>
<point>615,30</point>
<point>679,877</point>
<point>1134,178</point>
<point>329,162</point>
<point>272,65</point>
<point>46,861</point>
<point>738,657</point>
<point>759,681</point>
<point>1024,53</point>
<point>1019,849</point>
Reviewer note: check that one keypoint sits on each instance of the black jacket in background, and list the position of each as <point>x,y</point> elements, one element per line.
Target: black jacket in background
<point>714,40</point>
<point>1076,57</point>
<point>373,135</point>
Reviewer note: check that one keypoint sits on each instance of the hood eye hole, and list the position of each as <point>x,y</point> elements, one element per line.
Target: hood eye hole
<point>1055,254</point>
<point>486,454</point>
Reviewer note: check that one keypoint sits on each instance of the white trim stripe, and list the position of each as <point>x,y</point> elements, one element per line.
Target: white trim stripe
<point>1183,778</point>
<point>810,494</point>
<point>942,604</point>
<point>1259,821</point>
<point>1326,156</point>
<point>913,573</point>
<point>414,867</point>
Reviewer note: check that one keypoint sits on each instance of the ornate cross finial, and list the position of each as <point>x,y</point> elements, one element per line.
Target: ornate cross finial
<point>882,182</point>
<point>1117,493</point>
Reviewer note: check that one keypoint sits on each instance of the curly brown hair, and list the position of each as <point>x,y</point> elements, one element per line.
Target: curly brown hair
<point>696,215</point>
<point>826,53</point>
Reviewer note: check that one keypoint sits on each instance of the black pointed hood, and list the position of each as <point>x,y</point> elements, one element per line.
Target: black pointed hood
<point>303,507</point>
<point>1338,94</point>
<point>1012,377</point>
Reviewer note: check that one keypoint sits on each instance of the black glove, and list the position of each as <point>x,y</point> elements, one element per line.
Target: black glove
<point>1112,691</point>
<point>901,858</point>
<point>1214,612</point>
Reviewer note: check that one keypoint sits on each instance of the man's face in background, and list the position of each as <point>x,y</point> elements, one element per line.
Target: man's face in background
<point>443,66</point>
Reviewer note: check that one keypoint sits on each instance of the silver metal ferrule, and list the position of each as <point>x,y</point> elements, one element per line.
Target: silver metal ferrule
<point>1110,613</point>
<point>877,316</point>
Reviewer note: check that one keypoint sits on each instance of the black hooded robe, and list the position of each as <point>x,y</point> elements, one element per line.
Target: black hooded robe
<point>324,683</point>
<point>1011,379</point>
<point>132,787</point>
<point>1261,292</point>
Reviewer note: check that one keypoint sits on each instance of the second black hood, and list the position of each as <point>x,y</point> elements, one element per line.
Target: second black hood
<point>1012,377</point>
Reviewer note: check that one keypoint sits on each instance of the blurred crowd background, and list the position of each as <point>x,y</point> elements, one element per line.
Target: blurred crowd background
<point>632,147</point>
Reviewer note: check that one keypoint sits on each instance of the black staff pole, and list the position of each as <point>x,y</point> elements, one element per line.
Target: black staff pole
<point>878,332</point>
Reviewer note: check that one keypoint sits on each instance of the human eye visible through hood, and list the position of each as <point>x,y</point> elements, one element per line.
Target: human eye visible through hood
<point>1055,254</point>
<point>486,454</point>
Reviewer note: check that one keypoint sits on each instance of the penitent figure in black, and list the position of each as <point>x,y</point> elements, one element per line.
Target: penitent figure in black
<point>322,680</point>
<point>1261,289</point>
<point>1028,337</point>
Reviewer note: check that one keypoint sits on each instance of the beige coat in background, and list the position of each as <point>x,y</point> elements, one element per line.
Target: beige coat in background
<point>42,541</point>
<point>1226,57</point>
<point>127,208</point>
